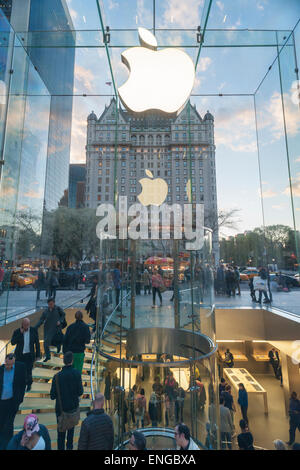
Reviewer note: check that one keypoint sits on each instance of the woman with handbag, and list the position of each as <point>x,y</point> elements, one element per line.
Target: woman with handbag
<point>66,389</point>
<point>157,285</point>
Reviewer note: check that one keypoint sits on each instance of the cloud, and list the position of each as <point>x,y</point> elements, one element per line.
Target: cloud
<point>279,207</point>
<point>84,76</point>
<point>295,187</point>
<point>270,116</point>
<point>220,5</point>
<point>268,193</point>
<point>242,121</point>
<point>204,63</point>
<point>33,194</point>
<point>184,14</point>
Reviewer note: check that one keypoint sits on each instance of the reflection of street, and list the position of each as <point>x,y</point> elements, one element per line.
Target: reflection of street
<point>24,300</point>
<point>288,301</point>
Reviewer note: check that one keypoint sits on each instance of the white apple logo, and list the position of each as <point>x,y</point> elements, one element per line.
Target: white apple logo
<point>154,191</point>
<point>159,80</point>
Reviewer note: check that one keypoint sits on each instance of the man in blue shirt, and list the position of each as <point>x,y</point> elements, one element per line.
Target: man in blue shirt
<point>12,390</point>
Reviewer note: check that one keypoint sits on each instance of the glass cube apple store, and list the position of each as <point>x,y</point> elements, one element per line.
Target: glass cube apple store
<point>149,168</point>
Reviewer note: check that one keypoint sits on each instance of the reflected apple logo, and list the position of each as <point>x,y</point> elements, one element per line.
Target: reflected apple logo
<point>159,80</point>
<point>154,191</point>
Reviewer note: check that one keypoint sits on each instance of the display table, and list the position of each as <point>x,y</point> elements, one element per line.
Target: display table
<point>236,376</point>
<point>237,357</point>
<point>261,357</point>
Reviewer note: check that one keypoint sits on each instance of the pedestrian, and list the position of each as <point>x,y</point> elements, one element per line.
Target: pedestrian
<point>75,340</point>
<point>228,401</point>
<point>158,388</point>
<point>116,275</point>
<point>237,278</point>
<point>97,431</point>
<point>230,281</point>
<point>279,445</point>
<point>157,284</point>
<point>252,290</point>
<point>153,405</point>
<point>146,280</point>
<point>274,359</point>
<point>226,426</point>
<point>131,402</point>
<point>245,438</point>
<point>140,408</point>
<point>66,389</point>
<point>27,348</point>
<point>170,385</point>
<point>1,277</point>
<point>91,306</point>
<point>54,321</point>
<point>243,401</point>
<point>107,392</point>
<point>222,386</point>
<point>12,390</point>
<point>137,441</point>
<point>294,413</point>
<point>229,359</point>
<point>53,284</point>
<point>33,436</point>
<point>179,404</point>
<point>262,283</point>
<point>183,438</point>
<point>220,280</point>
<point>40,283</point>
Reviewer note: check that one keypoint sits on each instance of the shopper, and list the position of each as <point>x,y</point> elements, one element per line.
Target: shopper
<point>226,426</point>
<point>27,349</point>
<point>75,340</point>
<point>140,408</point>
<point>170,385</point>
<point>153,405</point>
<point>97,431</point>
<point>243,401</point>
<point>137,441</point>
<point>183,438</point>
<point>245,438</point>
<point>12,390</point>
<point>157,284</point>
<point>229,359</point>
<point>274,359</point>
<point>179,404</point>
<point>279,445</point>
<point>228,401</point>
<point>34,436</point>
<point>222,386</point>
<point>54,321</point>
<point>107,392</point>
<point>294,413</point>
<point>66,389</point>
<point>131,402</point>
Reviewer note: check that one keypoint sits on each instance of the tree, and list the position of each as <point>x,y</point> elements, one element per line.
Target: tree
<point>224,219</point>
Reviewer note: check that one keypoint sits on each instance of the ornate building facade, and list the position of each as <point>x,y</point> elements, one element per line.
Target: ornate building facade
<point>119,152</point>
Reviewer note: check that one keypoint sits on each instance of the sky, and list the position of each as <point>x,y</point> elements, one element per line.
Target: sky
<point>221,70</point>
